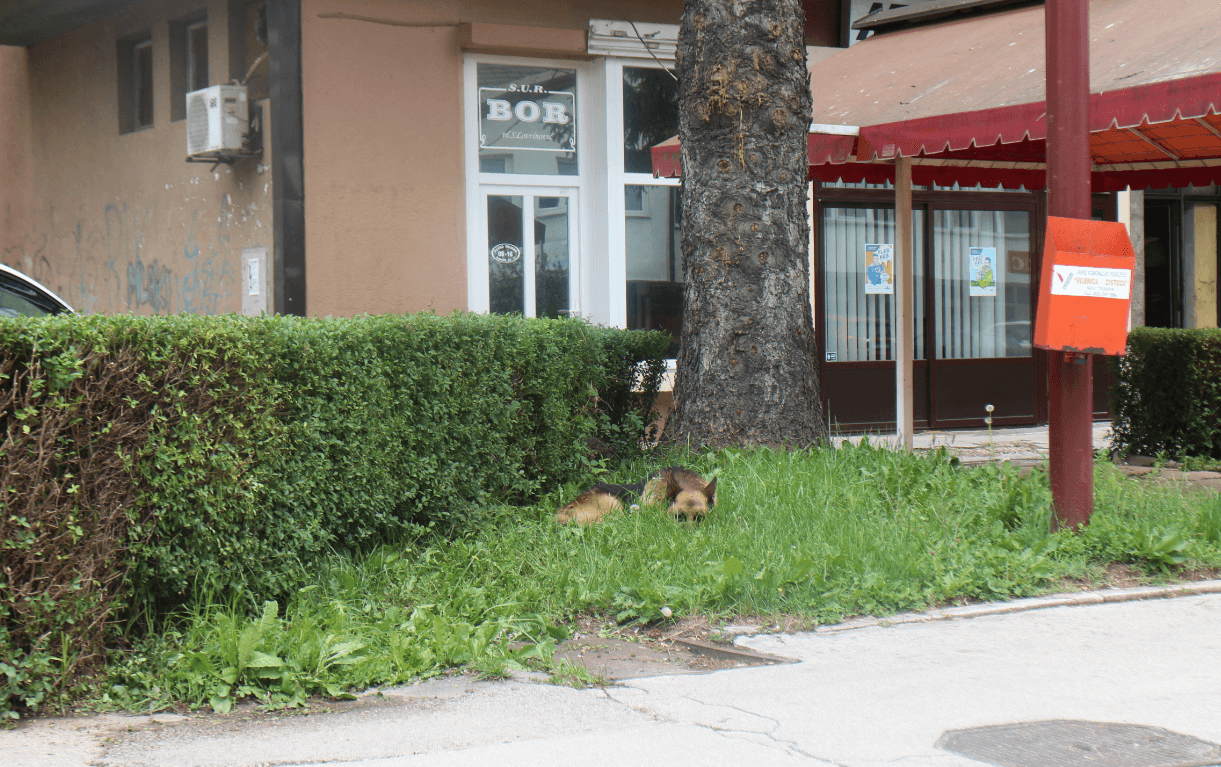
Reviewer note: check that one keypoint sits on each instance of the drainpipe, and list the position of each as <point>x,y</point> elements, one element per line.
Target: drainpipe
<point>1071,407</point>
<point>287,159</point>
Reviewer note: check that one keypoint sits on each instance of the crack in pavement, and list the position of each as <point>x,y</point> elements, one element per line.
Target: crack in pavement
<point>790,747</point>
<point>764,737</point>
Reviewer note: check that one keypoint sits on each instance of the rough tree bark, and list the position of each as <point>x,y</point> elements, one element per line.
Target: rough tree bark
<point>747,372</point>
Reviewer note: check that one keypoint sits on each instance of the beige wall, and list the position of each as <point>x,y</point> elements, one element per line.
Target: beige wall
<point>16,177</point>
<point>120,222</point>
<point>1200,265</point>
<point>384,180</point>
<point>117,223</point>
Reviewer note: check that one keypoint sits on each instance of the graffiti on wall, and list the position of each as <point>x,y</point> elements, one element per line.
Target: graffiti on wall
<point>148,259</point>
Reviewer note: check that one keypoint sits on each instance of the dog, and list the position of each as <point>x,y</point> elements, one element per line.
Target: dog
<point>687,493</point>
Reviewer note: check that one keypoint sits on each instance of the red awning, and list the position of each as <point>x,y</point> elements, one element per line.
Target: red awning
<point>966,99</point>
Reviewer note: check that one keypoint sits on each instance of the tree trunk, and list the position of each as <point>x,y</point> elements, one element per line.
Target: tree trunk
<point>747,372</point>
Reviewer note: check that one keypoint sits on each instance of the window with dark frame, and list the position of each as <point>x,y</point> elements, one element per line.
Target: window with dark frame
<point>142,84</point>
<point>188,50</point>
<point>197,55</point>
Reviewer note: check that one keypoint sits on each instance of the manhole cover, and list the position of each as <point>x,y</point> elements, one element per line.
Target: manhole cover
<point>1067,743</point>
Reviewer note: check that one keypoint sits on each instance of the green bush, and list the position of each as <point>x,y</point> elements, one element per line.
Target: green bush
<point>148,460</point>
<point>1167,397</point>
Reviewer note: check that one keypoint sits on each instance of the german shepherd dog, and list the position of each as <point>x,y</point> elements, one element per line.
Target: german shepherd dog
<point>687,493</point>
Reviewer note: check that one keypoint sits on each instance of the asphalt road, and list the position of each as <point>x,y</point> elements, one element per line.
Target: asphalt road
<point>863,697</point>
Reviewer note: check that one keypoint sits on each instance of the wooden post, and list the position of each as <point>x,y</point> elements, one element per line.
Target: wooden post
<point>904,314</point>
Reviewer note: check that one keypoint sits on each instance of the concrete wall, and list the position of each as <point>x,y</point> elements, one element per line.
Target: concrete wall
<point>117,222</point>
<point>384,179</point>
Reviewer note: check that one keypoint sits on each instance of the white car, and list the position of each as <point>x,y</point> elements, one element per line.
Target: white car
<point>22,296</point>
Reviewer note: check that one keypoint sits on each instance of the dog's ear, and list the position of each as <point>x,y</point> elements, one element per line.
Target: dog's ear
<point>672,486</point>
<point>710,492</point>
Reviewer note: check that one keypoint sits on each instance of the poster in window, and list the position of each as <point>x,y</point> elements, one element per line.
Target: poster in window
<point>879,269</point>
<point>983,271</point>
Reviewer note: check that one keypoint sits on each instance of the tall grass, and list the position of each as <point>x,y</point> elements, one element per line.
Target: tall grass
<point>816,534</point>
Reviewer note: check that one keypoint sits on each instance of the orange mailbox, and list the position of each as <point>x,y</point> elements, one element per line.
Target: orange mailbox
<point>1086,287</point>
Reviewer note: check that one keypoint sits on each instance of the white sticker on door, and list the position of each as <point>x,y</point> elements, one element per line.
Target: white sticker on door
<point>505,253</point>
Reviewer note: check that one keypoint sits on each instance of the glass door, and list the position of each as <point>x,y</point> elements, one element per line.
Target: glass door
<point>982,300</point>
<point>530,245</point>
<point>858,322</point>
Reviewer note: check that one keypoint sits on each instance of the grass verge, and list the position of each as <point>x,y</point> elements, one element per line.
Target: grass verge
<point>815,535</point>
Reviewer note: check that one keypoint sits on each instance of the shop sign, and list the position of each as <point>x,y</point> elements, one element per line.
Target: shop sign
<point>522,116</point>
<point>879,269</point>
<point>983,271</point>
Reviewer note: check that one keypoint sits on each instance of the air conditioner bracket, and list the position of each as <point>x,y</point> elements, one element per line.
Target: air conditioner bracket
<point>221,158</point>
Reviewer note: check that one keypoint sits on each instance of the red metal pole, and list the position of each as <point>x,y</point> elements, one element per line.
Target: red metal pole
<point>1070,416</point>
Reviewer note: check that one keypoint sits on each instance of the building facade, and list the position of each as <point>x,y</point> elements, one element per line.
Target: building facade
<point>489,155</point>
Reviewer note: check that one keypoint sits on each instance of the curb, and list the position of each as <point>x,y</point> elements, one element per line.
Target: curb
<point>1076,599</point>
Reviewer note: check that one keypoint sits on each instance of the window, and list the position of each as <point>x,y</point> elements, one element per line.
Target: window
<point>142,83</point>
<point>633,199</point>
<point>858,297</point>
<point>654,267</point>
<point>650,115</point>
<point>493,164</point>
<point>197,56</point>
<point>652,208</point>
<point>566,216</point>
<point>188,61</point>
<point>252,65</point>
<point>527,120</point>
<point>135,78</point>
<point>524,133</point>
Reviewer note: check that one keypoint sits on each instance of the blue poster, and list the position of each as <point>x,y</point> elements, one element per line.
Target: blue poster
<point>879,269</point>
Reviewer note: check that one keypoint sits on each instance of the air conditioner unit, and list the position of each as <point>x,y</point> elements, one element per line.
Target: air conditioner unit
<point>217,119</point>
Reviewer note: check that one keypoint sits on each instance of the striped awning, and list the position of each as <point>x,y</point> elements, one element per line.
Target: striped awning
<point>965,100</point>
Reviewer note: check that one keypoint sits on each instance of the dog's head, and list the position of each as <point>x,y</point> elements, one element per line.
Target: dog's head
<point>690,501</point>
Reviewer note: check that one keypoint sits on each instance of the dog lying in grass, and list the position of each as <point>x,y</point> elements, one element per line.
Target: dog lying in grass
<point>687,494</point>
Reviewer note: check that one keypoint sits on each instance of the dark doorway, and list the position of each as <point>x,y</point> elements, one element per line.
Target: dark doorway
<point>1163,265</point>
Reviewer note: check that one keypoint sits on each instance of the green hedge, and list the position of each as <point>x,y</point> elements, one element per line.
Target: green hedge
<point>1167,397</point>
<point>147,460</point>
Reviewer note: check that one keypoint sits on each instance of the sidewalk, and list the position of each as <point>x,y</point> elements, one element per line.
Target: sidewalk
<point>882,693</point>
<point>1022,444</point>
<point>1028,446</point>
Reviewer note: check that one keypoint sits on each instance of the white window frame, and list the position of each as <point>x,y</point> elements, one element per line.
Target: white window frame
<point>617,179</point>
<point>529,194</point>
<point>588,249</point>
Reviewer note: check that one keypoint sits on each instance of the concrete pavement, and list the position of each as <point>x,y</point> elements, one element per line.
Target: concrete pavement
<point>1023,444</point>
<point>876,694</point>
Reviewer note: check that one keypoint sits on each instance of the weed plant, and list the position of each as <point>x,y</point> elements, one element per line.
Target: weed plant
<point>818,534</point>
